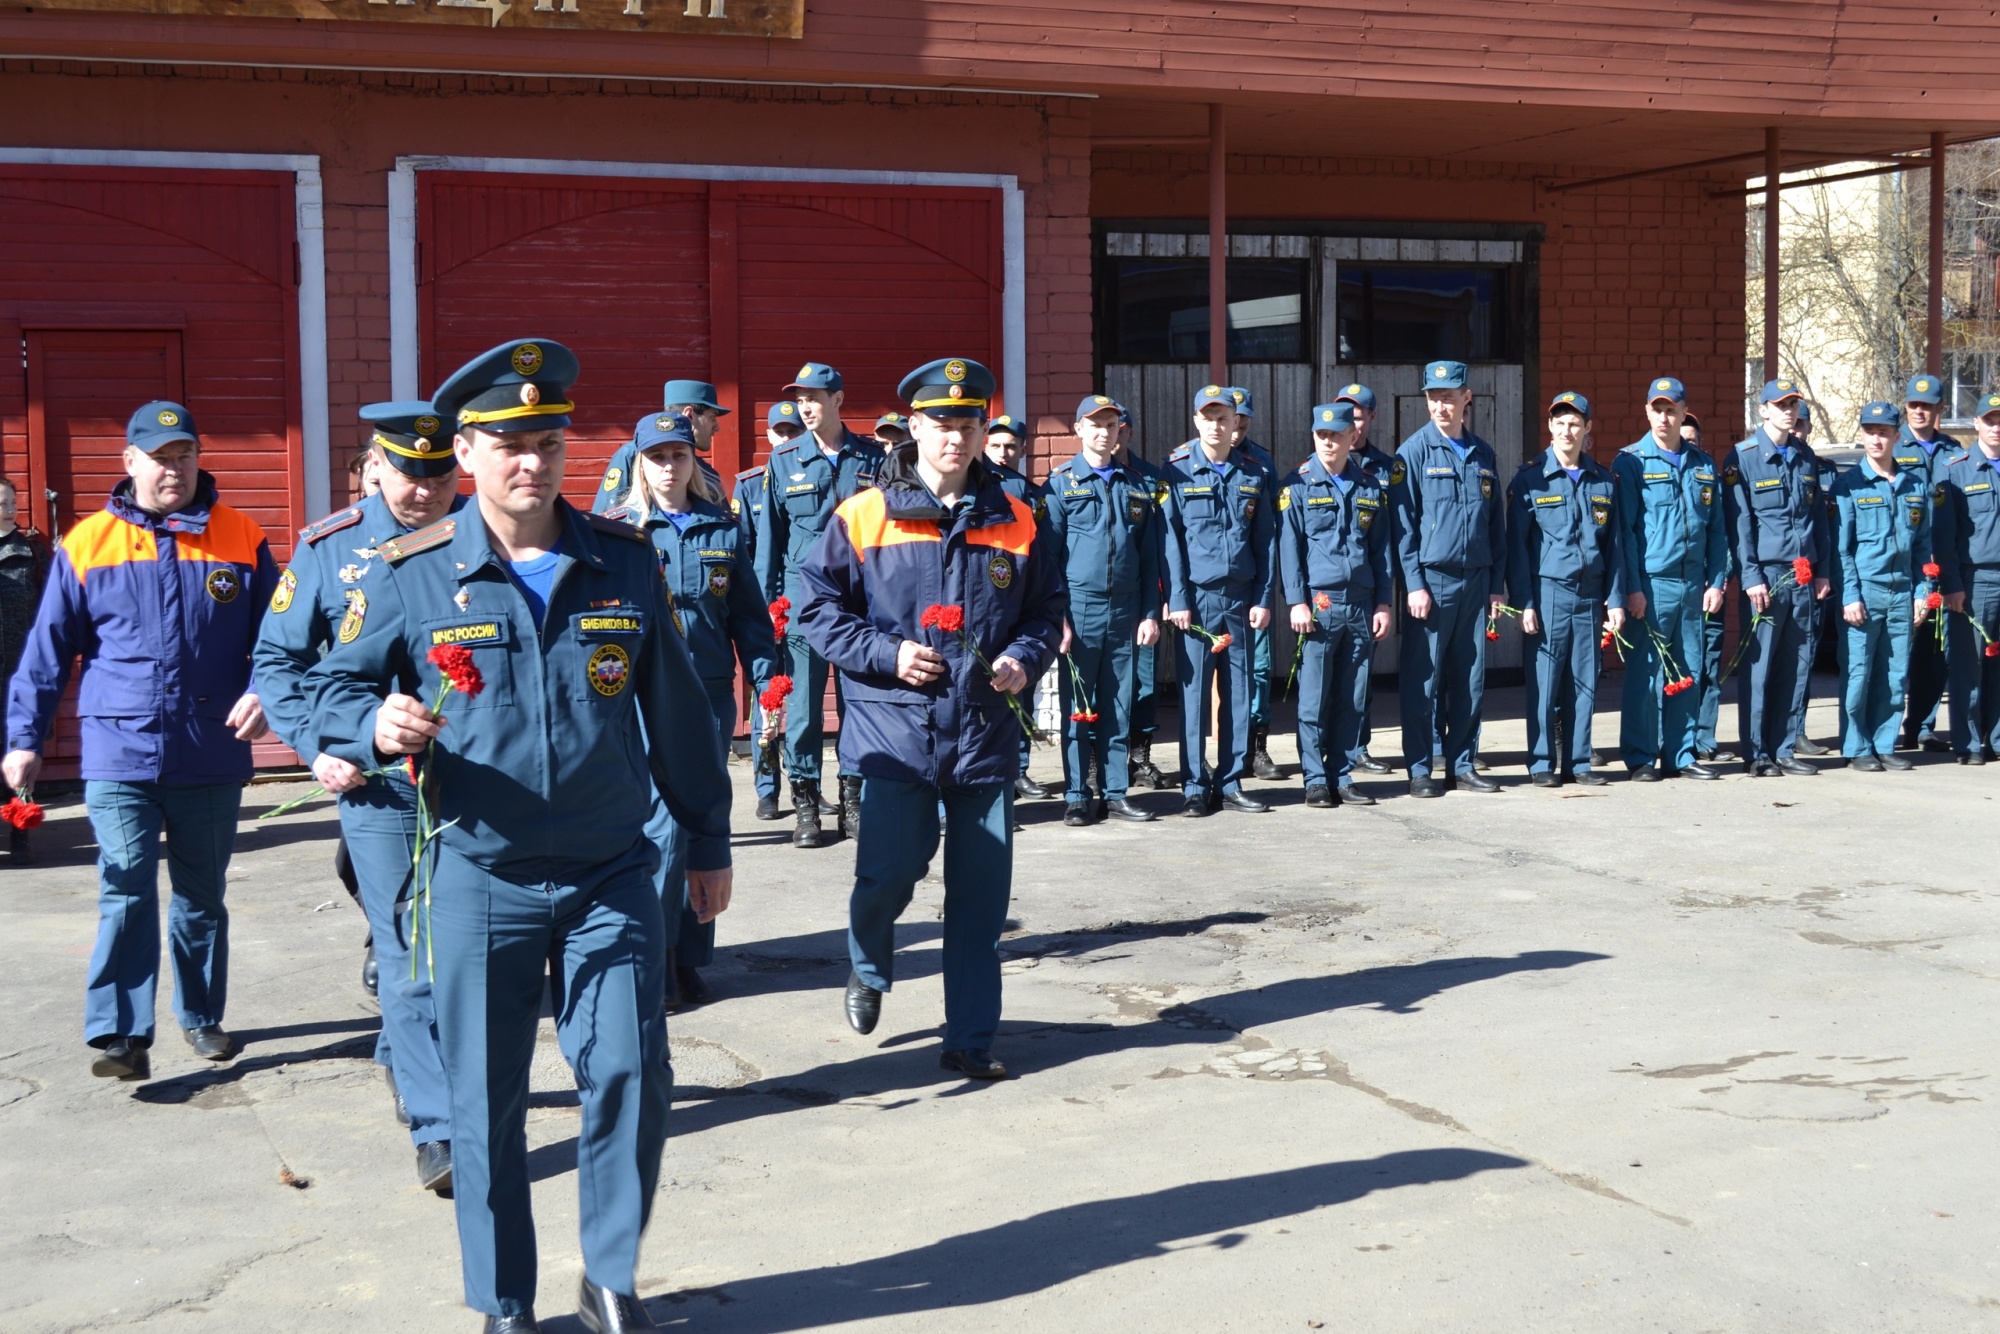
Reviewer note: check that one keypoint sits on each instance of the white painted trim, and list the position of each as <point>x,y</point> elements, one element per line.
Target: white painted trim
<point>310,233</point>
<point>403,238</point>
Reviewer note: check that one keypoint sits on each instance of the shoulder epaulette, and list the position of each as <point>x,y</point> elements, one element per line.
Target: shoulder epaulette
<point>423,539</point>
<point>748,473</point>
<point>332,523</point>
<point>604,523</point>
<point>625,514</point>
<point>1179,454</point>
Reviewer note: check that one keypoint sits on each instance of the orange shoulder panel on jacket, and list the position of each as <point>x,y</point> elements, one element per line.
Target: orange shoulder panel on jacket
<point>232,537</point>
<point>104,540</point>
<point>1016,535</point>
<point>869,526</point>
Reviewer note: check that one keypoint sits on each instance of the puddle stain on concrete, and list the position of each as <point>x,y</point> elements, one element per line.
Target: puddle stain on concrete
<point>1812,1095</point>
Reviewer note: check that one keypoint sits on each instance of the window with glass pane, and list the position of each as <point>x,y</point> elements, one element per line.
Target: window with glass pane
<point>1156,310</point>
<point>1390,312</point>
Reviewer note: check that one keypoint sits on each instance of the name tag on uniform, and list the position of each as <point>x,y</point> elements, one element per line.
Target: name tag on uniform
<point>1704,475</point>
<point>1868,500</point>
<point>1440,472</point>
<point>1767,483</point>
<point>1977,486</point>
<point>724,554</point>
<point>1659,476</point>
<point>621,623</point>
<point>1368,502</point>
<point>1249,490</point>
<point>803,486</point>
<point>1197,490</point>
<point>1548,500</point>
<point>1078,491</point>
<point>469,632</point>
<point>1907,460</point>
<point>1323,500</point>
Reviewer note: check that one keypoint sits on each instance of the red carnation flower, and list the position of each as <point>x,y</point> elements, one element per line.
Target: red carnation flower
<point>780,606</point>
<point>773,697</point>
<point>1802,570</point>
<point>22,814</point>
<point>1323,602</point>
<point>1993,650</point>
<point>454,661</point>
<point>1222,642</point>
<point>1491,633</point>
<point>949,618</point>
<point>1931,570</point>
<point>1934,601</point>
<point>1083,716</point>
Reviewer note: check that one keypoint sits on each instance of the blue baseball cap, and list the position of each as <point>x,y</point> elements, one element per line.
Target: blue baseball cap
<point>159,423</point>
<point>1445,375</point>
<point>816,375</point>
<point>1335,416</point>
<point>1777,391</point>
<point>1666,387</point>
<point>519,386</point>
<point>1360,395</point>
<point>1988,404</point>
<point>1880,413</point>
<point>949,387</point>
<point>1805,412</point>
<point>1571,401</point>
<point>1215,393</point>
<point>1092,404</point>
<point>1924,389</point>
<point>411,437</point>
<point>784,413</point>
<point>691,394</point>
<point>1003,425</point>
<point>895,419</point>
<point>663,428</point>
<point>1245,406</point>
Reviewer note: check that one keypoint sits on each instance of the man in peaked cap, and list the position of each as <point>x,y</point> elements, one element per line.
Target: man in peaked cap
<point>418,485</point>
<point>891,429</point>
<point>1378,465</point>
<point>932,724</point>
<point>1925,450</point>
<point>692,399</point>
<point>544,780</point>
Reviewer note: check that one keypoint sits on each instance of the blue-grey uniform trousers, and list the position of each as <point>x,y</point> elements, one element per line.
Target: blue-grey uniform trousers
<point>200,828</point>
<point>1655,727</point>
<point>496,943</point>
<point>805,722</point>
<point>689,939</point>
<point>1145,687</point>
<point>1443,673</point>
<point>1562,685</point>
<point>1874,664</point>
<point>1771,703</point>
<point>379,822</point>
<point>1975,678</point>
<point>1260,677</point>
<point>1926,679</point>
<point>766,783</point>
<point>1107,659</point>
<point>1333,691</point>
<point>1218,612</point>
<point>899,835</point>
<point>1710,711</point>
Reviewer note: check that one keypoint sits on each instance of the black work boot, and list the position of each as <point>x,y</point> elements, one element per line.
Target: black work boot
<point>1261,764</point>
<point>1143,772</point>
<point>805,804</point>
<point>850,807</point>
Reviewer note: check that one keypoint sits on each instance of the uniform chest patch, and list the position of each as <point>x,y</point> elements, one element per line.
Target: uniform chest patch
<point>1868,500</point>
<point>612,477</point>
<point>718,580</point>
<point>1440,472</point>
<point>1657,476</point>
<point>281,596</point>
<point>1548,500</point>
<point>1366,518</point>
<point>357,612</point>
<point>224,584</point>
<point>610,625</point>
<point>1135,509</point>
<point>351,573</point>
<point>1766,483</point>
<point>1397,473</point>
<point>1001,571</point>
<point>1600,509</point>
<point>1486,486</point>
<point>1708,495</point>
<point>1977,486</point>
<point>477,632</point>
<point>802,486</point>
<point>1917,514</point>
<point>609,668</point>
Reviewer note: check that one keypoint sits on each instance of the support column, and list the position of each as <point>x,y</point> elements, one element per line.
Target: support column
<point>1934,298</point>
<point>1218,249</point>
<point>1773,168</point>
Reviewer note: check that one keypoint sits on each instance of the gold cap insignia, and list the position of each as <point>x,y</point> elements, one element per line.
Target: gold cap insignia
<point>663,422</point>
<point>527,359</point>
<point>954,371</point>
<point>805,372</point>
<point>1439,372</point>
<point>530,394</point>
<point>958,391</point>
<point>1211,391</point>
<point>426,425</point>
<point>785,410</point>
<point>1923,386</point>
<point>168,417</point>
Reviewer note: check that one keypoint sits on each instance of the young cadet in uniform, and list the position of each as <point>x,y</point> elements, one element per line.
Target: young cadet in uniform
<point>891,429</point>
<point>1220,547</point>
<point>1776,519</point>
<point>1672,549</point>
<point>692,399</point>
<point>543,783</point>
<point>1105,529</point>
<point>1709,712</point>
<point>1261,765</point>
<point>1146,667</point>
<point>1822,609</point>
<point>1333,561</point>
<point>418,476</point>
<point>1883,543</point>
<point>806,480</point>
<point>1561,562</point>
<point>726,625</point>
<point>1005,450</point>
<point>1967,550</point>
<point>929,725</point>
<point>1926,451</point>
<point>781,424</point>
<point>1452,552</point>
<point>1378,465</point>
<point>160,593</point>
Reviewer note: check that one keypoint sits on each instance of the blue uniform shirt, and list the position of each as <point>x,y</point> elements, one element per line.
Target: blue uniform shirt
<point>1884,537</point>
<point>545,774</point>
<point>1221,529</point>
<point>1967,536</point>
<point>1927,458</point>
<point>714,592</point>
<point>802,487</point>
<point>1106,532</point>
<point>746,504</point>
<point>1668,513</point>
<point>1559,528</point>
<point>1333,535</point>
<point>1448,508</point>
<point>1775,510</point>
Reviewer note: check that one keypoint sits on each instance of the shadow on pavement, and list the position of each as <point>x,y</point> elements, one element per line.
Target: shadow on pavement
<point>212,1087</point>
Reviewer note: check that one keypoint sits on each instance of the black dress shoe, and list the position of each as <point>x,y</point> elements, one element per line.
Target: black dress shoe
<point>1588,778</point>
<point>1474,781</point>
<point>1197,805</point>
<point>606,1312</point>
<point>1972,757</point>
<point>1700,771</point>
<point>512,1324</point>
<point>1866,764</point>
<point>694,989</point>
<point>974,1064</point>
<point>210,1042</point>
<point>434,1166</point>
<point>864,1005</point>
<point>1934,743</point>
<point>1897,762</point>
<point>1124,809</point>
<point>1368,764</point>
<point>1239,800</point>
<point>1716,756</point>
<point>122,1059</point>
<point>1765,769</point>
<point>1351,795</point>
<point>1426,787</point>
<point>1544,778</point>
<point>767,807</point>
<point>1320,797</point>
<point>1796,768</point>
<point>371,975</point>
<point>396,1097</point>
<point>1646,773</point>
<point>1027,789</point>
<point>1807,746</point>
<point>1077,814</point>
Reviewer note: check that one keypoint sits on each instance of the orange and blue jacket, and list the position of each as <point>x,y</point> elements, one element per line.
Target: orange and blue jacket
<point>163,613</point>
<point>888,555</point>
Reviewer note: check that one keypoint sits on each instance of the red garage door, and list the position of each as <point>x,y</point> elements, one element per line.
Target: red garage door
<point>737,283</point>
<point>125,285</point>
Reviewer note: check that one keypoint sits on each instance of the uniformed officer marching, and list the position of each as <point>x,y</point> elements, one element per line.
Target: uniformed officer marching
<point>1333,562</point>
<point>938,540</point>
<point>1105,529</point>
<point>692,399</point>
<point>418,475</point>
<point>781,424</point>
<point>1776,519</point>
<point>1378,465</point>
<point>806,480</point>
<point>1561,564</point>
<point>1883,543</point>
<point>1220,545</point>
<point>1673,560</point>
<point>1923,449</point>
<point>1260,763</point>
<point>1967,548</point>
<point>1451,547</point>
<point>542,785</point>
<point>726,625</point>
<point>1006,453</point>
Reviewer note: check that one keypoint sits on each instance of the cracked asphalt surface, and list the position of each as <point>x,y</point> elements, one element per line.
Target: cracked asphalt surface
<point>1682,1057</point>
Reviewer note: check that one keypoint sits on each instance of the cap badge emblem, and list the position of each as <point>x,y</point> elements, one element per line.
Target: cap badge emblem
<point>168,417</point>
<point>531,394</point>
